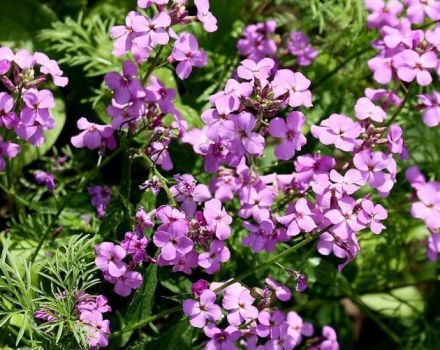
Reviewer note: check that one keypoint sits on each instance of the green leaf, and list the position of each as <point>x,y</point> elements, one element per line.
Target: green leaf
<point>142,303</point>
<point>29,153</point>
<point>190,115</point>
<point>402,302</point>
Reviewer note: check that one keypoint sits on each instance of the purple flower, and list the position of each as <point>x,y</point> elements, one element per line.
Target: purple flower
<point>172,243</point>
<point>383,13</point>
<point>125,283</point>
<point>344,219</point>
<point>382,68</point>
<point>202,310</point>
<point>188,193</point>
<point>7,150</point>
<point>347,184</point>
<point>101,197</point>
<point>247,141</point>
<point>365,109</point>
<point>329,342</point>
<point>395,140</point>
<point>152,184</point>
<point>46,179</point>
<point>250,70</point>
<point>297,327</point>
<point>205,16</point>
<point>147,3</point>
<point>198,287</point>
<point>282,292</point>
<point>238,302</point>
<point>157,92</point>
<point>217,219</point>
<point>172,219</point>
<point>186,51</point>
<point>257,204</point>
<point>411,65</point>
<point>93,135</point>
<point>261,236</point>
<point>371,215</point>
<point>126,86</point>
<point>431,108</point>
<point>289,131</point>
<point>299,46</point>
<point>387,97</point>
<point>428,207</point>
<point>8,118</point>
<point>144,220</point>
<point>6,58</point>
<point>418,9</point>
<point>217,254</point>
<point>51,67</point>
<point>433,246</point>
<point>221,338</point>
<point>295,84</point>
<point>269,323</point>
<point>338,130</point>
<point>124,35</point>
<point>135,244</point>
<point>298,219</point>
<point>152,32</point>
<point>96,328</point>
<point>109,258</point>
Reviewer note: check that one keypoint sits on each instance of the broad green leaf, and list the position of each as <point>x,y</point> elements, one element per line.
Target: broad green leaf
<point>190,115</point>
<point>402,302</point>
<point>142,303</point>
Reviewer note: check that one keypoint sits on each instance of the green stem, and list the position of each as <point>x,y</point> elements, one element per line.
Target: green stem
<point>153,65</point>
<point>404,102</point>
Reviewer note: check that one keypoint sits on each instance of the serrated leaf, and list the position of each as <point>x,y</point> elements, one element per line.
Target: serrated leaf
<point>142,303</point>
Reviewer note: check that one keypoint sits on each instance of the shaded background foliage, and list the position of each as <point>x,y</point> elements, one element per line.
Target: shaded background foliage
<point>388,298</point>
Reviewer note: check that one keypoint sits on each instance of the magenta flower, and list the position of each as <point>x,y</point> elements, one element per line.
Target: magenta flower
<point>109,258</point>
<point>188,193</point>
<point>217,254</point>
<point>172,243</point>
<point>428,207</point>
<point>418,9</point>
<point>205,16</point>
<point>297,327</point>
<point>198,287</point>
<point>401,35</point>
<point>93,135</point>
<point>202,310</point>
<point>338,130</point>
<point>250,70</point>
<point>126,86</point>
<point>96,328</point>
<point>395,139</point>
<point>383,13</point>
<point>269,323</point>
<point>127,282</point>
<point>172,219</point>
<point>217,219</point>
<point>46,179</point>
<point>295,84</point>
<point>347,184</point>
<point>124,35</point>
<point>411,65</point>
<point>382,68</point>
<point>186,51</point>
<point>157,92</point>
<point>147,3</point>
<point>6,59</point>
<point>299,46</point>
<point>135,245</point>
<point>7,150</point>
<point>221,338</point>
<point>300,220</point>
<point>51,67</point>
<point>329,342</point>
<point>290,131</point>
<point>258,204</point>
<point>261,235</point>
<point>431,108</point>
<point>153,31</point>
<point>365,109</point>
<point>344,219</point>
<point>282,292</point>
<point>8,118</point>
<point>231,95</point>
<point>247,141</point>
<point>371,215</point>
<point>101,197</point>
<point>433,246</point>
<point>238,302</point>
<point>387,97</point>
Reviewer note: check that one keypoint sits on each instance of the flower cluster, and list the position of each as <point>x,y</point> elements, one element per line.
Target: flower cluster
<point>426,207</point>
<point>260,40</point>
<point>406,53</point>
<point>253,320</point>
<point>26,108</point>
<point>89,310</point>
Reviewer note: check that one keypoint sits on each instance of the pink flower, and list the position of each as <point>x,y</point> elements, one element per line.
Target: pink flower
<point>383,14</point>
<point>172,243</point>
<point>410,65</point>
<point>172,219</point>
<point>7,150</point>
<point>8,118</point>
<point>250,70</point>
<point>433,246</point>
<point>124,35</point>
<point>93,135</point>
<point>295,84</point>
<point>300,220</point>
<point>45,178</point>
<point>96,328</point>
<point>418,9</point>
<point>338,130</point>
<point>344,219</point>
<point>135,245</point>
<point>127,282</point>
<point>109,258</point>
<point>269,323</point>
<point>238,301</point>
<point>371,215</point>
<point>258,204</point>
<point>365,109</point>
<point>431,108</point>
<point>395,140</point>
<point>289,131</point>
<point>217,254</point>
<point>205,16</point>
<point>186,51</point>
<point>247,141</point>
<point>147,3</point>
<point>152,32</point>
<point>297,327</point>
<point>282,292</point>
<point>382,68</point>
<point>217,219</point>
<point>221,339</point>
<point>126,86</point>
<point>428,207</point>
<point>202,310</point>
<point>347,184</point>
